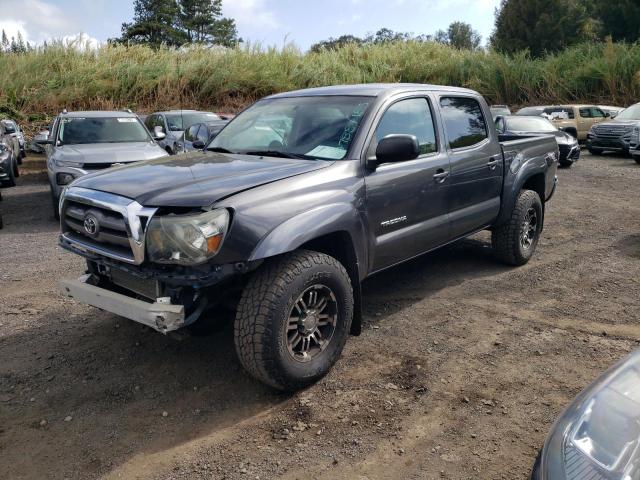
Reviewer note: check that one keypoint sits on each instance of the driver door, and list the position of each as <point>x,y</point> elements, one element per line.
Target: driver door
<point>406,201</point>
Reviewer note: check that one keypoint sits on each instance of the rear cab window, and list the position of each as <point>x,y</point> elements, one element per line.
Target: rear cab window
<point>411,116</point>
<point>464,123</point>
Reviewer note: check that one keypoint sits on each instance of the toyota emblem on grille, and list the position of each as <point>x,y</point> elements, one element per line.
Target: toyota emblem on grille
<point>91,225</point>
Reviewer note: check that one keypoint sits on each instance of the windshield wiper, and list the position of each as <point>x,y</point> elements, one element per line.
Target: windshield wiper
<point>277,153</point>
<point>219,150</point>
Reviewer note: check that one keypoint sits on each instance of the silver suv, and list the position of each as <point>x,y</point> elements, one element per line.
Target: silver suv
<point>86,142</point>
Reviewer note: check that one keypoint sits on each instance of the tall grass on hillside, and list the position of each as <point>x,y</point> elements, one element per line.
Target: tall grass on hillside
<point>42,82</point>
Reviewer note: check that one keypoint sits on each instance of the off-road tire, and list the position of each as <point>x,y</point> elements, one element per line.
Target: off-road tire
<point>506,239</point>
<point>595,151</point>
<point>263,313</point>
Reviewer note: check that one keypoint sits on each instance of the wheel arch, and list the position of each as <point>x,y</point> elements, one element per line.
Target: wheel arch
<point>336,230</point>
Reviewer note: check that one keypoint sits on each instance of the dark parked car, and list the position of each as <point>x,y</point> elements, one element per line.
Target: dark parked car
<point>197,136</point>
<point>19,136</point>
<point>497,110</point>
<point>298,199</point>
<point>616,135</point>
<point>518,126</point>
<point>172,123</point>
<point>598,436</point>
<point>8,165</point>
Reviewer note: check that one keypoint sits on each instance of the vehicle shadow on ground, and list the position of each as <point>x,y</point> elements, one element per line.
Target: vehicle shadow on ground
<point>116,378</point>
<point>399,287</point>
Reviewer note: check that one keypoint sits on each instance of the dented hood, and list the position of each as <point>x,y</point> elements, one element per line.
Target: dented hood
<point>194,180</point>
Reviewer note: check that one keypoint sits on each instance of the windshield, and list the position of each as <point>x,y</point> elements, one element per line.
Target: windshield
<point>559,112</point>
<point>631,113</point>
<point>530,111</point>
<point>530,124</point>
<point>178,122</point>
<point>308,127</point>
<point>79,130</point>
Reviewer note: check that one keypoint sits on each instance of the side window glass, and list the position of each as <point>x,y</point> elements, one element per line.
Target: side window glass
<point>409,117</point>
<point>203,133</point>
<point>597,113</point>
<point>585,112</point>
<point>464,122</point>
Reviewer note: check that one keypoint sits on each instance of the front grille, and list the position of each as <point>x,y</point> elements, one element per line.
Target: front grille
<point>103,223</point>
<point>112,229</point>
<point>612,131</point>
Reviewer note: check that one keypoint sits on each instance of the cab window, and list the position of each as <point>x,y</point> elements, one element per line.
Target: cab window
<point>464,122</point>
<point>585,112</point>
<point>597,113</point>
<point>408,117</point>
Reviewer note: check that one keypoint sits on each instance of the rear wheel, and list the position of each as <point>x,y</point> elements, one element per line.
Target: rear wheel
<point>515,241</point>
<point>293,319</point>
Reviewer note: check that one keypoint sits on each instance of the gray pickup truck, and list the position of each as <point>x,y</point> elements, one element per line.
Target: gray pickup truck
<point>298,200</point>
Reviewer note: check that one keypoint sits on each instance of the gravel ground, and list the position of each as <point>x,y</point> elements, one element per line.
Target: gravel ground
<point>462,366</point>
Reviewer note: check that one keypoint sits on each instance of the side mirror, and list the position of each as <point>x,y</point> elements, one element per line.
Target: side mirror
<point>607,115</point>
<point>158,133</point>
<point>397,148</point>
<point>198,144</point>
<point>44,141</point>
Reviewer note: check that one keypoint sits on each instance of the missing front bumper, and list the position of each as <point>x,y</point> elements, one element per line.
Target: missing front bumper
<point>162,317</point>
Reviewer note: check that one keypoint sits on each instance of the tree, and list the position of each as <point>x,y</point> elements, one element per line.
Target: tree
<point>539,26</point>
<point>179,22</point>
<point>619,19</point>
<point>202,22</point>
<point>335,43</point>
<point>5,42</point>
<point>154,23</point>
<point>459,35</point>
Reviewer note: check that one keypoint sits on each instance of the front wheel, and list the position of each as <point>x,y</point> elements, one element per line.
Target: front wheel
<point>293,319</point>
<point>637,159</point>
<point>566,163</point>
<point>515,241</point>
<point>595,151</point>
<point>55,201</point>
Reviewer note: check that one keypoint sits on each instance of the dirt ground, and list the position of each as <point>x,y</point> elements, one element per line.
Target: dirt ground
<point>462,366</point>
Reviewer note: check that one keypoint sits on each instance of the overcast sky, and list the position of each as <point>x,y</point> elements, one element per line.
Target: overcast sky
<point>270,22</point>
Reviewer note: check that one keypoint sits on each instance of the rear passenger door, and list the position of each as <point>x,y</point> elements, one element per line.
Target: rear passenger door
<point>477,168</point>
<point>406,205</point>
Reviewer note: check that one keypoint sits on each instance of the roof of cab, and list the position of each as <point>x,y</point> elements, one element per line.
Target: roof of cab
<point>370,90</point>
<point>98,114</point>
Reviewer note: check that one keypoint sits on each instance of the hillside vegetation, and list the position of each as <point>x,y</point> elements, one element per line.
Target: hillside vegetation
<point>40,83</point>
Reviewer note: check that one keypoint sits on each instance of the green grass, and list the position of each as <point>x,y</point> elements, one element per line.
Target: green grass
<point>39,84</point>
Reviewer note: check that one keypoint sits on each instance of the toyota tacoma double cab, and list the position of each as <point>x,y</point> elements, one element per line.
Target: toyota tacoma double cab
<point>299,199</point>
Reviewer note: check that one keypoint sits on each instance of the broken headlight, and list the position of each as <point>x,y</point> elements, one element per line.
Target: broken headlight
<point>186,239</point>
<point>598,436</point>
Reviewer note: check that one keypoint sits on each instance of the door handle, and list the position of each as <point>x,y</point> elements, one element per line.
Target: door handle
<point>493,163</point>
<point>440,175</point>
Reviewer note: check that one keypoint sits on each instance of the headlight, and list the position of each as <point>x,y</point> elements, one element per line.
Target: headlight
<point>598,436</point>
<point>64,178</point>
<point>186,239</point>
